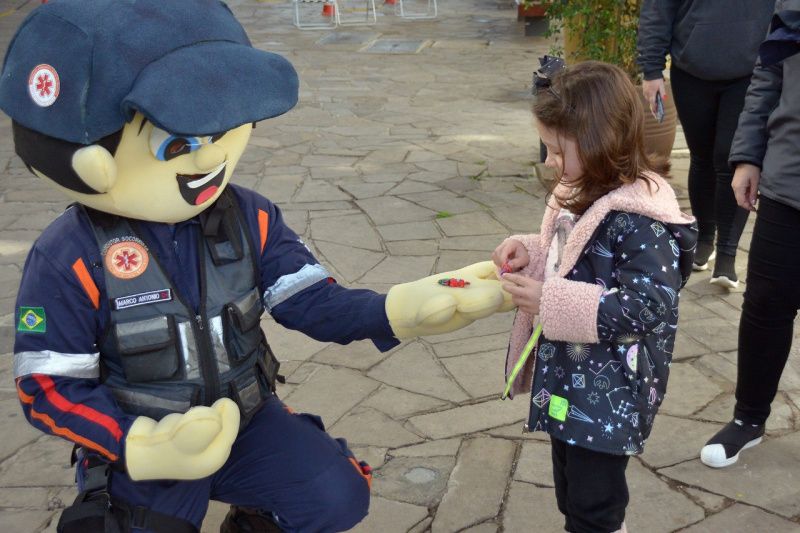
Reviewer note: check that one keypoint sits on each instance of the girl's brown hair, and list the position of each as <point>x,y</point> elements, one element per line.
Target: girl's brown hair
<point>597,106</point>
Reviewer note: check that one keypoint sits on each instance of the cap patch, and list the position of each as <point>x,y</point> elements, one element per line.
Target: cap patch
<point>126,259</point>
<point>44,85</point>
<point>32,320</point>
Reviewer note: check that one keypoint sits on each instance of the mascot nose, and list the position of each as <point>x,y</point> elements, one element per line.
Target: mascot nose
<point>209,157</point>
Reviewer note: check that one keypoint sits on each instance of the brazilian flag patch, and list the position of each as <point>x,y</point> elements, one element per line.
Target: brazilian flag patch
<point>32,320</point>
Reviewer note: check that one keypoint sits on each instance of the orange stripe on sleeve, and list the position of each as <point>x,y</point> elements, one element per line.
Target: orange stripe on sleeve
<point>69,435</point>
<point>88,283</point>
<point>62,432</point>
<point>83,411</point>
<point>263,227</point>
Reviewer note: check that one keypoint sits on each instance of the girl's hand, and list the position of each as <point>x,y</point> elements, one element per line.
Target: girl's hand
<point>513,252</point>
<point>525,292</point>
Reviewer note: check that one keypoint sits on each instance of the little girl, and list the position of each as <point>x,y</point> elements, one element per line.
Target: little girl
<point>602,278</point>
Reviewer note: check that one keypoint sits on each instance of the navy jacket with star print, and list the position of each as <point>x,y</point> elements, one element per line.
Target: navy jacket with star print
<point>609,313</point>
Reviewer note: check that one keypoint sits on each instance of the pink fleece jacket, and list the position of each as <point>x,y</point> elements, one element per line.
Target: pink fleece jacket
<point>568,309</point>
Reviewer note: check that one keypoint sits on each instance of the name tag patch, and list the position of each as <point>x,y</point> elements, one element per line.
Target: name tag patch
<point>144,298</point>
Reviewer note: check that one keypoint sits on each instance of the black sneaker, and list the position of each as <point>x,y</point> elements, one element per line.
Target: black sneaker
<point>723,448</point>
<point>243,520</point>
<point>703,254</point>
<point>725,272</point>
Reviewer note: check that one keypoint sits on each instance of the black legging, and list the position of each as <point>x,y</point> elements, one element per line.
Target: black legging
<point>709,113</point>
<point>771,301</point>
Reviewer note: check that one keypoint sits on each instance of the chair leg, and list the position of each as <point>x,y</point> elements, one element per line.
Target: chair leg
<point>334,21</point>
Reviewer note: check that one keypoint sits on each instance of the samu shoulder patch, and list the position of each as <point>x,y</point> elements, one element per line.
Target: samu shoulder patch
<point>32,320</point>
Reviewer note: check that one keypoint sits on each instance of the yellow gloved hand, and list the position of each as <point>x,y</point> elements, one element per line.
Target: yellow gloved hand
<point>424,307</point>
<point>192,445</point>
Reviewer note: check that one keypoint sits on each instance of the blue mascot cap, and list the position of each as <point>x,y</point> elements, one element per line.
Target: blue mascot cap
<point>77,70</point>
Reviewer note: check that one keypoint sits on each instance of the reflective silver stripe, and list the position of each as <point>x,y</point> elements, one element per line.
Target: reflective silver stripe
<point>73,365</point>
<point>290,284</point>
<point>218,343</point>
<point>140,399</point>
<point>191,363</point>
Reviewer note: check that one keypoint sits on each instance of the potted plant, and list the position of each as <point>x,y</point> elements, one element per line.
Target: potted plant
<point>606,30</point>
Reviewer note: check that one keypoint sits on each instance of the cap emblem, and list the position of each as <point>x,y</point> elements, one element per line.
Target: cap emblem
<point>44,85</point>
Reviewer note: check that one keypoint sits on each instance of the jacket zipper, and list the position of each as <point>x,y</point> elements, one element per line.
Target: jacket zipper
<point>206,358</point>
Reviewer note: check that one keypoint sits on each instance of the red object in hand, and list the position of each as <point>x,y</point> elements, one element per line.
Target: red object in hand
<point>505,268</point>
<point>453,282</point>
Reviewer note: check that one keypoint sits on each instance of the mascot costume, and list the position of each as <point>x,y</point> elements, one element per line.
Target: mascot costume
<point>137,319</point>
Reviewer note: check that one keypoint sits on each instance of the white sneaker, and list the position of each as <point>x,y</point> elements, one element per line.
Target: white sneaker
<point>699,267</point>
<point>723,448</point>
<point>724,281</point>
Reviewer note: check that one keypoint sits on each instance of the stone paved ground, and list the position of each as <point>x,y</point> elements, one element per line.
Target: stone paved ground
<point>394,166</point>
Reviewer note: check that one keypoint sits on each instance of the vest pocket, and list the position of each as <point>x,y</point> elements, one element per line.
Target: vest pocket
<point>241,326</point>
<point>249,393</point>
<point>148,349</point>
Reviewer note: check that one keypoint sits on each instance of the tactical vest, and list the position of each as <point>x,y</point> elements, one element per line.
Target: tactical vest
<point>157,355</point>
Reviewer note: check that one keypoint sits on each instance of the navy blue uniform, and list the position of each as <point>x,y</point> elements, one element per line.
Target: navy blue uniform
<point>281,462</point>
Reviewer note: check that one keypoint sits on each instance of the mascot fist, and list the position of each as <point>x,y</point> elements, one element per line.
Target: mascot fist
<point>192,445</point>
<point>428,307</point>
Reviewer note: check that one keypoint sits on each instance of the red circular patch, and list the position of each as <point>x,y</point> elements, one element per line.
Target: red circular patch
<point>44,85</point>
<point>127,259</point>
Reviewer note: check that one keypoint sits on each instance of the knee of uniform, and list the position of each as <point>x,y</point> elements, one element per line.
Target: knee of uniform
<point>343,497</point>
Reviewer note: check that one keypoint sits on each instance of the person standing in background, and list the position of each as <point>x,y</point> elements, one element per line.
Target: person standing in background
<point>767,163</point>
<point>713,45</point>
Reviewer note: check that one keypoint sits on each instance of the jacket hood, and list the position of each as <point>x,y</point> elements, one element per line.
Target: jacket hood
<point>652,197</point>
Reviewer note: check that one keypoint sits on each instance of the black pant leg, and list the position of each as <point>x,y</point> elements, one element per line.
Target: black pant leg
<point>770,305</point>
<point>730,218</point>
<point>558,452</point>
<point>596,492</point>
<point>696,101</point>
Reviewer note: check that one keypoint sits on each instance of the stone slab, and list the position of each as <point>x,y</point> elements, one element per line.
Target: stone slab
<point>743,518</point>
<point>314,395</point>
<point>654,506</point>
<point>414,368</point>
<point>470,418</point>
<point>455,348</point>
<point>430,449</point>
<point>44,463</point>
<point>476,488</point>
<point>354,231</point>
<point>479,374</point>
<point>531,508</point>
<point>478,223</point>
<point>388,515</point>
<point>535,464</point>
<point>368,427</point>
<point>663,449</point>
<point>688,390</point>
<point>399,403</point>
<point>415,480</point>
<point>766,476</point>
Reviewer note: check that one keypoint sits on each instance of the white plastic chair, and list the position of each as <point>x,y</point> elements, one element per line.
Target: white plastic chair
<point>430,13</point>
<point>320,25</point>
<point>370,15</point>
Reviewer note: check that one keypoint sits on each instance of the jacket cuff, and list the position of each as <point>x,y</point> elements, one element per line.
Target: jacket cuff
<point>653,74</point>
<point>568,310</point>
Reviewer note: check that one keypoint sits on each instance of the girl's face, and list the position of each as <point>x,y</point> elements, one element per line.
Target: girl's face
<point>562,154</point>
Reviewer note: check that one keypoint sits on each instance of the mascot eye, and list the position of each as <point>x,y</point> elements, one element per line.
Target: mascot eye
<point>166,146</point>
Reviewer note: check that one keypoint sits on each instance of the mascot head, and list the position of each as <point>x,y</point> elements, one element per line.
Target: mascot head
<point>139,108</point>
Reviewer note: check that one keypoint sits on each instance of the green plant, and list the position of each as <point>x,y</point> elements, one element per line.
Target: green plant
<point>604,30</point>
<point>444,214</point>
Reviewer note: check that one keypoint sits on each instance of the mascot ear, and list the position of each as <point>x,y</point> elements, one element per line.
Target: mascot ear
<point>96,167</point>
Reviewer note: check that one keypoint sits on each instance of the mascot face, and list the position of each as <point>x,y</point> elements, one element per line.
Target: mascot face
<point>157,176</point>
